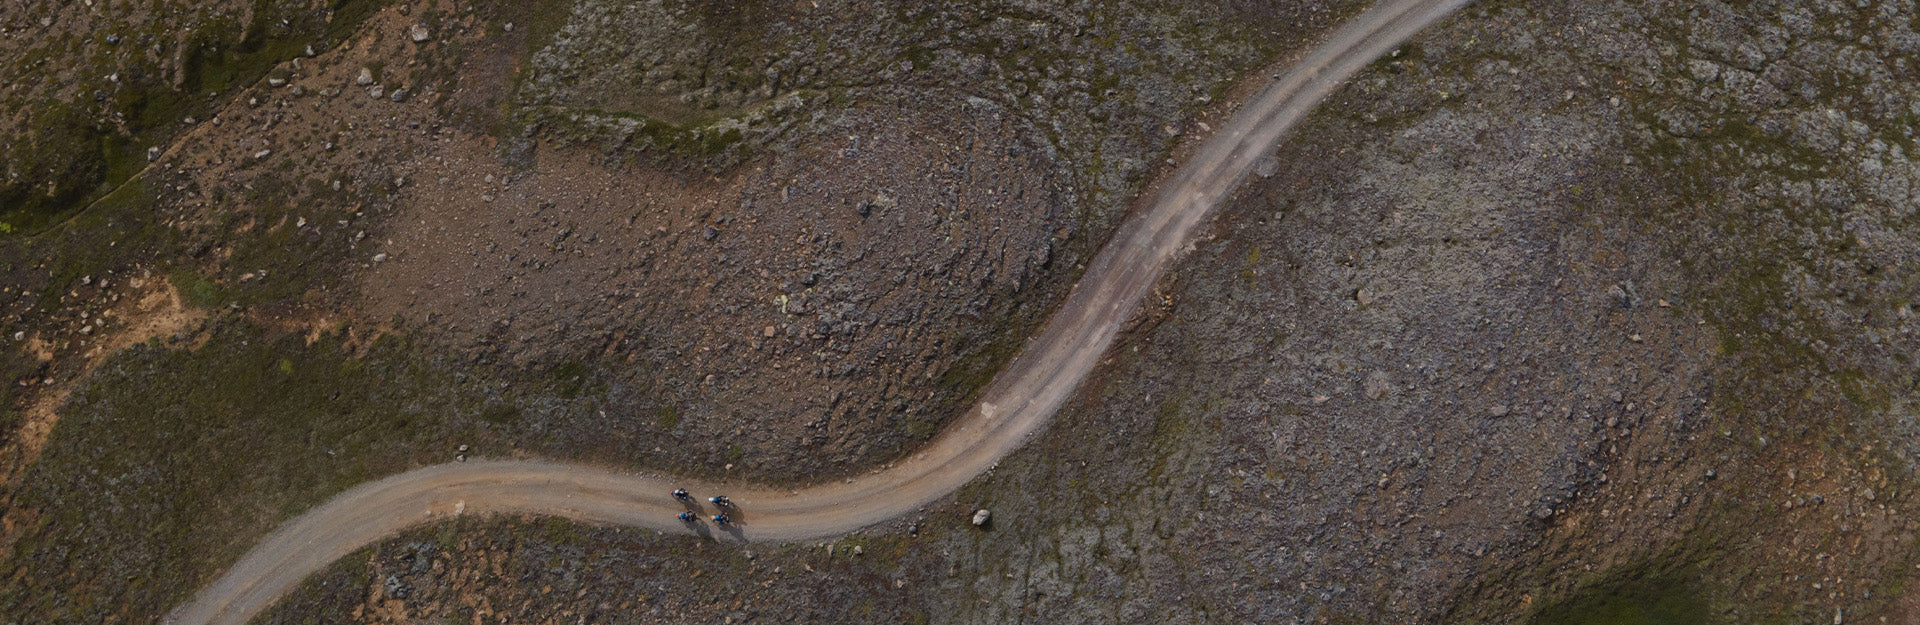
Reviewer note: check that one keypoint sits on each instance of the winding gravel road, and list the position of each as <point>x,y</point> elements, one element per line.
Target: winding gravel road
<point>1018,401</point>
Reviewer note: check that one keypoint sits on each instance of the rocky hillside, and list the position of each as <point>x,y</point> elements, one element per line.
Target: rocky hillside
<point>1564,313</point>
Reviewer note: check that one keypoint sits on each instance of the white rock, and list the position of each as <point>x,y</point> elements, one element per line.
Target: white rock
<point>419,33</point>
<point>981,516</point>
<point>365,78</point>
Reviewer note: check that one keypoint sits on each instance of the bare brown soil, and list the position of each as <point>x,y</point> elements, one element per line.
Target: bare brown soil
<point>806,308</point>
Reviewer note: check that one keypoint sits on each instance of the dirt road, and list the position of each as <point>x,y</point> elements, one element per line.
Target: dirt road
<point>1013,406</point>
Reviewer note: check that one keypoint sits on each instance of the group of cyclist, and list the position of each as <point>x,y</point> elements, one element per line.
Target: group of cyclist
<point>718,501</point>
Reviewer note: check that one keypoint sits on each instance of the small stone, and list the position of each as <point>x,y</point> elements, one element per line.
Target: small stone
<point>300,222</point>
<point>1498,410</point>
<point>1619,296</point>
<point>1377,384</point>
<point>365,78</point>
<point>1266,167</point>
<point>1635,337</point>
<point>1613,421</point>
<point>463,448</point>
<point>399,95</point>
<point>711,233</point>
<point>20,335</point>
<point>486,197</point>
<point>1541,513</point>
<point>380,258</point>
<point>377,91</point>
<point>309,51</point>
<point>419,33</point>
<point>858,551</point>
<point>153,153</point>
<point>768,332</point>
<point>981,517</point>
<point>86,329</point>
<point>1703,70</point>
<point>276,82</point>
<point>262,154</point>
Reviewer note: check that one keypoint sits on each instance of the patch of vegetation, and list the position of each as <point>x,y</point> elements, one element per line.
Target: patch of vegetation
<point>572,377</point>
<point>706,141</point>
<point>171,462</point>
<point>61,164</point>
<point>79,151</point>
<point>123,229</point>
<point>962,382</point>
<point>196,290</point>
<point>1651,600</point>
<point>15,365</point>
<point>1752,277</point>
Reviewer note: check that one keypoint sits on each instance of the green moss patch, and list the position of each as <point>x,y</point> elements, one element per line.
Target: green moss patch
<point>79,151</point>
<point>171,462</point>
<point>1639,601</point>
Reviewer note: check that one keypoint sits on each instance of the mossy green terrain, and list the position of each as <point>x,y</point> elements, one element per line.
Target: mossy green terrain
<point>173,459</point>
<point>84,134</point>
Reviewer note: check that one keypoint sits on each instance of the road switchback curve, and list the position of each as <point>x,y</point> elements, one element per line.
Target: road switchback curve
<point>1015,404</point>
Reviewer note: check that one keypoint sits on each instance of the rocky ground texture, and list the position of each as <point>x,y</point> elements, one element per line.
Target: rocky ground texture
<point>1564,313</point>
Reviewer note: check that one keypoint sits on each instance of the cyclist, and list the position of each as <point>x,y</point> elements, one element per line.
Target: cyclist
<point>721,500</point>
